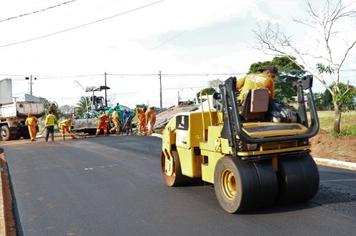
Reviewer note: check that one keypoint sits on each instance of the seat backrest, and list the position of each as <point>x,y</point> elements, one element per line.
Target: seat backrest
<point>255,105</point>
<point>259,100</point>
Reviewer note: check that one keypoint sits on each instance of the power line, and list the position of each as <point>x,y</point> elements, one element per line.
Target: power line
<point>37,11</point>
<point>132,92</point>
<point>348,70</point>
<point>125,75</point>
<point>182,74</point>
<point>169,40</point>
<point>12,75</point>
<point>80,26</point>
<point>91,76</point>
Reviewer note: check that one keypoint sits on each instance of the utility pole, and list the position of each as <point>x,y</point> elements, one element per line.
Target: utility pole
<point>160,90</point>
<point>106,100</point>
<point>31,83</point>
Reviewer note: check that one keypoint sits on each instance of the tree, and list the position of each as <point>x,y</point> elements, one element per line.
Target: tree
<point>66,109</point>
<point>50,106</point>
<point>348,101</point>
<point>284,90</point>
<point>325,59</point>
<point>206,91</point>
<point>323,101</point>
<point>215,84</point>
<point>83,105</point>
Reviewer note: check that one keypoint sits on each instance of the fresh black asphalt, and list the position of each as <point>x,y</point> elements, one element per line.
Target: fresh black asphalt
<point>113,186</point>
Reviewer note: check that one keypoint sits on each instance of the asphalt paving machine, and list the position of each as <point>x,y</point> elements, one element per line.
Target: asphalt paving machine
<point>87,122</point>
<point>251,161</point>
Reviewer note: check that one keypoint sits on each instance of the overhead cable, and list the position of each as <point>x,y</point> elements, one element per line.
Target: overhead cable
<point>122,76</point>
<point>80,26</point>
<point>37,11</point>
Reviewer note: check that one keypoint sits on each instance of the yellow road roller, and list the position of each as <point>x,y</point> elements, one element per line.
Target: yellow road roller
<point>251,161</point>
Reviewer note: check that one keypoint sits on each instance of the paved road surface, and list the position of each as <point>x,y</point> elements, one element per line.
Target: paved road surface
<point>113,186</point>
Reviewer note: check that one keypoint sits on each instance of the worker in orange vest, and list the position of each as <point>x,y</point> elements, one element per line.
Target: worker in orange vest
<point>66,125</point>
<point>31,123</point>
<point>151,119</point>
<point>141,119</point>
<point>102,120</point>
<point>115,119</point>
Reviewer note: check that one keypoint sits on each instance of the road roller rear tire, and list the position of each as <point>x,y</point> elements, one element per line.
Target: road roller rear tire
<point>241,186</point>
<point>234,184</point>
<point>298,179</point>
<point>268,184</point>
<point>175,178</point>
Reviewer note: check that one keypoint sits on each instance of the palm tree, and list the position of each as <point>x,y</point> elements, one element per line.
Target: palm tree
<point>83,105</point>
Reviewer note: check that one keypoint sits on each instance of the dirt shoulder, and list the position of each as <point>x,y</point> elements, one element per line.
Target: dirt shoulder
<point>7,225</point>
<point>325,145</point>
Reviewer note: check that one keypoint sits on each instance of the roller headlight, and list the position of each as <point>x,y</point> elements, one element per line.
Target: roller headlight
<point>251,146</point>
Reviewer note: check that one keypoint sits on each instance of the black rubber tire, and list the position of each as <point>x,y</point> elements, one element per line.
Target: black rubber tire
<point>247,185</point>
<point>176,179</point>
<point>298,179</point>
<point>92,131</point>
<point>268,184</point>
<point>23,132</point>
<point>5,133</point>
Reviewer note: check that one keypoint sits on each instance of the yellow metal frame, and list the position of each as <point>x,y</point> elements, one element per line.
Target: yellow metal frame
<point>201,147</point>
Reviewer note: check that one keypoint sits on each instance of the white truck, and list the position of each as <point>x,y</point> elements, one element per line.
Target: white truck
<point>13,114</point>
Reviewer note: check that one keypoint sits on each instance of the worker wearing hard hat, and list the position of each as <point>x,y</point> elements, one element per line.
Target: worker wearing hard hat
<point>66,126</point>
<point>151,119</point>
<point>115,119</point>
<point>102,120</point>
<point>31,123</point>
<point>257,81</point>
<point>50,122</point>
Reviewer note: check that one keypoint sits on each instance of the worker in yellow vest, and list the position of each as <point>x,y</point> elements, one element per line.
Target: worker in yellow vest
<point>50,122</point>
<point>257,81</point>
<point>31,122</point>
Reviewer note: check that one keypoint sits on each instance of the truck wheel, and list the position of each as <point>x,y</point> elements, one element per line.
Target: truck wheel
<point>91,131</point>
<point>171,171</point>
<point>298,179</point>
<point>24,133</point>
<point>5,133</point>
<point>236,184</point>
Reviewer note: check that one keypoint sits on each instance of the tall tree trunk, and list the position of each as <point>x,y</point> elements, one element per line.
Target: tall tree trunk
<point>337,117</point>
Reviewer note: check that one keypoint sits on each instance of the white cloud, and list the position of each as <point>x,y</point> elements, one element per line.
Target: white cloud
<point>122,45</point>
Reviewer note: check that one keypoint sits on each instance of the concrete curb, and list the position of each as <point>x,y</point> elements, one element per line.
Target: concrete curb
<point>335,163</point>
<point>156,135</point>
<point>2,209</point>
<point>319,161</point>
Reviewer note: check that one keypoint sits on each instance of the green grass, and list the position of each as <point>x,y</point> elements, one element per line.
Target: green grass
<point>348,122</point>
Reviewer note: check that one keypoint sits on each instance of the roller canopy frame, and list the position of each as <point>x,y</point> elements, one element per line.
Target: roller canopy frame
<point>233,123</point>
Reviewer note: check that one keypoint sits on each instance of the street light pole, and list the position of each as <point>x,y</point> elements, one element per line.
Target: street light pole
<point>160,90</point>
<point>31,83</point>
<point>106,98</point>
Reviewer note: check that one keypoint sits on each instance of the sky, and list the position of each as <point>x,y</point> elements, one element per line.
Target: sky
<point>190,41</point>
